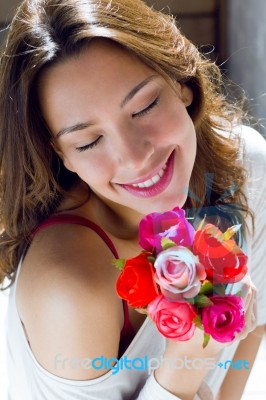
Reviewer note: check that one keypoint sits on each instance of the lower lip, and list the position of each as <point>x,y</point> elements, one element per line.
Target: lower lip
<point>159,187</point>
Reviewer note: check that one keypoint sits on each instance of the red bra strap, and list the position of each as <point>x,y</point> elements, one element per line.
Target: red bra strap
<point>75,219</point>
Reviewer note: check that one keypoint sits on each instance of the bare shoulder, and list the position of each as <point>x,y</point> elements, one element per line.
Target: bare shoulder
<point>67,302</point>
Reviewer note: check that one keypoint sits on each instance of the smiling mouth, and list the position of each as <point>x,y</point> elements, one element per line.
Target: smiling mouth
<point>150,182</point>
<point>156,184</point>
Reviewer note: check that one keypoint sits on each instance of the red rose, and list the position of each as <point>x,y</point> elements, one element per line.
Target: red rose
<point>136,284</point>
<point>223,260</point>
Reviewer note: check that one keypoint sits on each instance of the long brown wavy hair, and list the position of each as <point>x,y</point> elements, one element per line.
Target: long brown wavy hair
<point>33,180</point>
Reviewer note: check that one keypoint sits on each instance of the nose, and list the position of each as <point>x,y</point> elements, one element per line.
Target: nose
<point>132,149</point>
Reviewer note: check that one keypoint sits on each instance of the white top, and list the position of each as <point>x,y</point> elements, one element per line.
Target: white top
<point>30,381</point>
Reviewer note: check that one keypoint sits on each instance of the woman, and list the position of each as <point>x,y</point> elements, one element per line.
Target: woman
<point>108,113</point>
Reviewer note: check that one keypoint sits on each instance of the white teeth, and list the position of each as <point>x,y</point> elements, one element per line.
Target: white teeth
<point>148,183</point>
<point>152,181</point>
<point>156,178</point>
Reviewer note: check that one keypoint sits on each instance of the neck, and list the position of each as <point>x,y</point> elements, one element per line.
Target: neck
<point>118,220</point>
<point>115,219</point>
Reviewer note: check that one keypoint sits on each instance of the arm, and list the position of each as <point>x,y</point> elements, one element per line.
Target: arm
<point>235,380</point>
<point>70,308</point>
<point>172,383</point>
<point>185,382</point>
<point>254,160</point>
<point>67,301</point>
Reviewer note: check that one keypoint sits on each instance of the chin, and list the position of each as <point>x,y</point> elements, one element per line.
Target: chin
<point>163,205</point>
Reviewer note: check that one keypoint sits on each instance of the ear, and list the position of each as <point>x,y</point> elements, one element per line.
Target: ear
<point>61,155</point>
<point>186,94</point>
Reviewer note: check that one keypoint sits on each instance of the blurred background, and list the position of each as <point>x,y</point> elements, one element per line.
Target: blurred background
<point>232,32</point>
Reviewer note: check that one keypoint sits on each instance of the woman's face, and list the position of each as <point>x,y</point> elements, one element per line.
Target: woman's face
<point>121,127</point>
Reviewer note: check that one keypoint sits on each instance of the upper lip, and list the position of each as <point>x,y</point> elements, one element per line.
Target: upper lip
<point>148,176</point>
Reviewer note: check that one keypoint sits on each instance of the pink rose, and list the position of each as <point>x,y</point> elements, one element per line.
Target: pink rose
<point>224,318</point>
<point>178,273</point>
<point>174,320</point>
<point>170,224</point>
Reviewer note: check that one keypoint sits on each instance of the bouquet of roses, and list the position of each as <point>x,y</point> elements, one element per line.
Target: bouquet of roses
<point>181,277</point>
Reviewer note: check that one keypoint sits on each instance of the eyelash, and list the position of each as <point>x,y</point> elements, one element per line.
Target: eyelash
<point>136,115</point>
<point>90,145</point>
<point>147,109</point>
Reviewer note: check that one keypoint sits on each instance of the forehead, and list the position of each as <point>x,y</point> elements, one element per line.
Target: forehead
<point>100,61</point>
<point>102,71</point>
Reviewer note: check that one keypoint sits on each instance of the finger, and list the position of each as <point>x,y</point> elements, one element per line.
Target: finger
<point>250,314</point>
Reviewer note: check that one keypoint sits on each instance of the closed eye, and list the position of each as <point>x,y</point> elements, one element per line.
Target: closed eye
<point>89,146</point>
<point>147,109</point>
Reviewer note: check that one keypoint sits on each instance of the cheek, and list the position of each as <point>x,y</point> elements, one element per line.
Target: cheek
<point>175,124</point>
<point>92,170</point>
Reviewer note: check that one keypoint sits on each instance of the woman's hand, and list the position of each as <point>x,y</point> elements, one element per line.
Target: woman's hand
<point>249,294</point>
<point>184,382</point>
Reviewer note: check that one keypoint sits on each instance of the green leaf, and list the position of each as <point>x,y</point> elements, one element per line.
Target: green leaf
<point>167,243</point>
<point>206,288</point>
<point>219,289</point>
<point>197,322</point>
<point>203,301</point>
<point>205,340</point>
<point>151,259</point>
<point>142,310</point>
<point>190,300</point>
<point>230,232</point>
<point>119,263</point>
<point>202,222</point>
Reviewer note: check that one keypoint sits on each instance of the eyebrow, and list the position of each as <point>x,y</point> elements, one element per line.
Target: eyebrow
<point>76,127</point>
<point>136,89</point>
<point>79,126</point>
